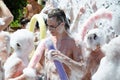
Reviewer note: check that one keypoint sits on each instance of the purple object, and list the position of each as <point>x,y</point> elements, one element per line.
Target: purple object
<point>58,64</point>
<point>61,71</point>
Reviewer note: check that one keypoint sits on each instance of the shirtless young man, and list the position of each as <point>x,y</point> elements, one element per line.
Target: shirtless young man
<point>58,26</point>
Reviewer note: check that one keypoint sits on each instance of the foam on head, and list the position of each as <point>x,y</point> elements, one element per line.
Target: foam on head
<point>94,38</point>
<point>22,40</point>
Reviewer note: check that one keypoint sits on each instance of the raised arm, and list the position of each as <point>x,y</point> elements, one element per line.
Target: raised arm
<point>75,23</point>
<point>5,14</point>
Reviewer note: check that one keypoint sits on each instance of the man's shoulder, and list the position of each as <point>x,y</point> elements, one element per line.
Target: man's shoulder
<point>71,40</point>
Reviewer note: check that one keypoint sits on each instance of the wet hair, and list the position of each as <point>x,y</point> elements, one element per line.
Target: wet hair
<point>60,16</point>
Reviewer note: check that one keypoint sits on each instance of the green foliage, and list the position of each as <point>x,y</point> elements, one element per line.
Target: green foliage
<point>15,24</point>
<point>16,8</point>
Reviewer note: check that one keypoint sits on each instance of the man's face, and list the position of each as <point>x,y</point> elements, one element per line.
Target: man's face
<point>53,26</point>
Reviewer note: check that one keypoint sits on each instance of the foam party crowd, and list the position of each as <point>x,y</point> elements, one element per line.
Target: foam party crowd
<point>65,40</point>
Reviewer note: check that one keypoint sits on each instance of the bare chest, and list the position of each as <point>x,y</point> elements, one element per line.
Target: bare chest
<point>64,47</point>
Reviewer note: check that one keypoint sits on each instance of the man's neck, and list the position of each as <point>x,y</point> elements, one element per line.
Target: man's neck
<point>61,36</point>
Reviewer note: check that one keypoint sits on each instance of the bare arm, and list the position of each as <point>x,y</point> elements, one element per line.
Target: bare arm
<point>76,20</point>
<point>22,77</point>
<point>6,15</point>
